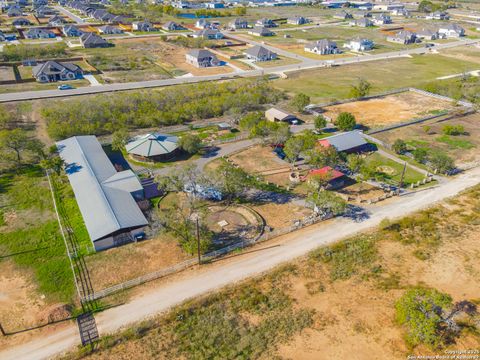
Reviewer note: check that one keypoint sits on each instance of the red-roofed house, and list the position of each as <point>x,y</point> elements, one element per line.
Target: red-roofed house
<point>336,178</point>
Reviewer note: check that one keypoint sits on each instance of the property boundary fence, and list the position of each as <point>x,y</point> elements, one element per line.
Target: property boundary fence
<point>263,236</point>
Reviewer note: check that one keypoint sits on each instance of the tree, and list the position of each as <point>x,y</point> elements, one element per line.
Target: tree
<point>279,132</point>
<point>119,139</point>
<point>251,119</point>
<point>18,142</point>
<point>361,89</point>
<point>230,180</point>
<point>430,317</point>
<point>441,162</point>
<point>54,163</point>
<point>320,122</point>
<point>453,130</point>
<point>327,202</point>
<point>322,156</point>
<point>300,101</point>
<point>355,162</point>
<point>399,146</point>
<point>240,11</point>
<point>190,143</point>
<point>345,121</point>
<point>420,155</point>
<point>296,145</point>
<point>5,117</point>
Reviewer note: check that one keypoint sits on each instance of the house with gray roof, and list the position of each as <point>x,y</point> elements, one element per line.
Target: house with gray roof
<point>260,31</point>
<point>91,40</point>
<point>429,34</point>
<point>363,22</point>
<point>404,37</point>
<point>451,30</point>
<point>267,23</point>
<point>208,34</point>
<point>38,33</point>
<point>382,19</point>
<point>238,24</point>
<point>153,147</point>
<point>201,58</point>
<point>350,142</point>
<point>259,53</point>
<point>14,11</point>
<point>297,20</point>
<point>72,31</point>
<point>437,15</point>
<point>21,22</point>
<point>109,30</point>
<point>52,71</point>
<point>56,21</point>
<point>107,199</point>
<point>322,47</point>
<point>171,26</point>
<point>359,44</point>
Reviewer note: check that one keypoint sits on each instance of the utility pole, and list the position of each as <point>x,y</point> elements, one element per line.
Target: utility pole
<point>198,242</point>
<point>403,174</point>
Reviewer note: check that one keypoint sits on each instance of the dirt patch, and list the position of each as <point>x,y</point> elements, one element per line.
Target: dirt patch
<point>120,264</point>
<point>281,215</point>
<point>390,109</point>
<point>361,191</point>
<point>258,159</point>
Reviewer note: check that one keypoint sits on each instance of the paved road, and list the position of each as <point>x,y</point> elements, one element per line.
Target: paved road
<point>304,65</point>
<point>71,15</point>
<point>212,277</point>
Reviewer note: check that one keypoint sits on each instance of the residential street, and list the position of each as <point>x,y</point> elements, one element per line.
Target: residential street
<point>306,63</point>
<point>225,272</point>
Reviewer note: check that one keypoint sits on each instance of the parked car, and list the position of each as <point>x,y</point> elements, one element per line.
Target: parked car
<point>65,87</point>
<point>280,153</point>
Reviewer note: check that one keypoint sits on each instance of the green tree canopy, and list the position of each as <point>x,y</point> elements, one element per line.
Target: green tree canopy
<point>345,121</point>
<point>300,101</point>
<point>191,143</point>
<point>320,122</point>
<point>361,89</point>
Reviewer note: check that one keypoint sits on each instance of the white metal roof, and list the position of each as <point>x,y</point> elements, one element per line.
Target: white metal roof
<point>103,194</point>
<point>152,145</point>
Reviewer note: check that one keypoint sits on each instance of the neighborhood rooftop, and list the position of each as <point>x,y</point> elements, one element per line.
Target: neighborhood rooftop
<point>345,141</point>
<point>103,194</point>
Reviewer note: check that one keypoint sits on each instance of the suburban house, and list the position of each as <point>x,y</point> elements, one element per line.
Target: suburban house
<point>38,33</point>
<point>238,24</point>
<point>400,12</point>
<point>359,44</point>
<point>52,71</point>
<point>21,22</point>
<point>363,22</point>
<point>153,147</point>
<point>56,21</point>
<point>267,23</point>
<point>72,30</point>
<point>451,30</point>
<point>350,142</point>
<point>388,6</point>
<point>91,40</point>
<point>202,24</point>
<point>403,37</point>
<point>44,11</point>
<point>142,26</point>
<point>343,15</point>
<point>438,15</point>
<point>260,31</point>
<point>297,20</point>
<point>209,34</point>
<point>201,58</point>
<point>322,47</point>
<point>336,179</point>
<point>382,19</point>
<point>259,53</point>
<point>107,199</point>
<point>429,34</point>
<point>171,26</point>
<point>14,11</point>
<point>109,30</point>
<point>274,114</point>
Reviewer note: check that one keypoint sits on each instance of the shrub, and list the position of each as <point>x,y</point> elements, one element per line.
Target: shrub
<point>453,130</point>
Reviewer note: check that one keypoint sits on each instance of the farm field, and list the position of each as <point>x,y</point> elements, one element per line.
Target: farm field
<point>390,109</point>
<point>328,84</point>
<point>429,135</point>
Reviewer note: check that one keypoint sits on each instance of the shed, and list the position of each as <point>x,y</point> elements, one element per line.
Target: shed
<point>274,114</point>
<point>351,141</point>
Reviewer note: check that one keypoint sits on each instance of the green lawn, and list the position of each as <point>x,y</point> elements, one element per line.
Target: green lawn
<point>327,84</point>
<point>391,171</point>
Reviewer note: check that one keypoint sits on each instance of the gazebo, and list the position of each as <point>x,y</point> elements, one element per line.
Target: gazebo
<point>153,147</point>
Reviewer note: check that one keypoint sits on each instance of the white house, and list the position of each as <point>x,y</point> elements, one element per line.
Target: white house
<point>451,30</point>
<point>322,47</point>
<point>359,44</point>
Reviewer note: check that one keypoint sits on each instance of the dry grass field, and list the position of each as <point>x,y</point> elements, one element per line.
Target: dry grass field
<point>390,109</point>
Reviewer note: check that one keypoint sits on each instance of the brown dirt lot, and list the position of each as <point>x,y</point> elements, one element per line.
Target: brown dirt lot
<point>429,139</point>
<point>281,215</point>
<point>389,109</point>
<point>258,159</point>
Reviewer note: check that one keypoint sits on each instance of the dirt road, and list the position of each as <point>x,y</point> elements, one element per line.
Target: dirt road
<point>213,277</point>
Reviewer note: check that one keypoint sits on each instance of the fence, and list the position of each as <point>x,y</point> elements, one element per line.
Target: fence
<point>264,236</point>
